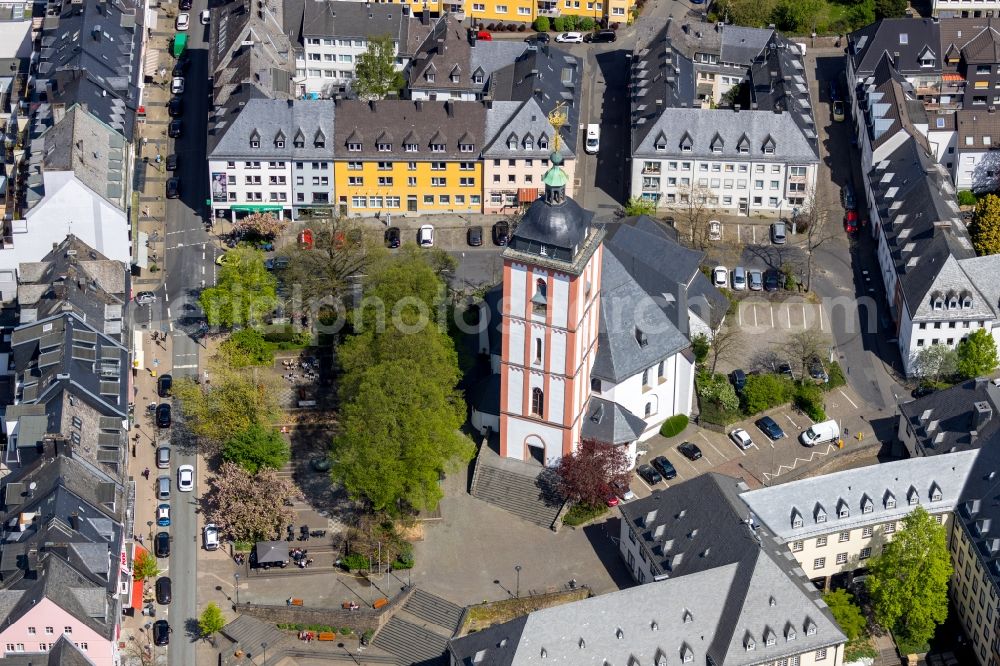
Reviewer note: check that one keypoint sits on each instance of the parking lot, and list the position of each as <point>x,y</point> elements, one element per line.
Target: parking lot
<point>757,313</point>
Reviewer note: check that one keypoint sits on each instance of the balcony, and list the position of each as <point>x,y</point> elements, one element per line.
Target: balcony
<point>548,9</point>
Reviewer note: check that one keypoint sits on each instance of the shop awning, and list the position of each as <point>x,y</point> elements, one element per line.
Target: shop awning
<point>255,209</point>
<point>527,195</point>
<point>151,62</point>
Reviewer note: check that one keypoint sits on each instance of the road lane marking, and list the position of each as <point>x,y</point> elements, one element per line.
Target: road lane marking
<point>183,367</point>
<point>772,315</point>
<point>820,308</point>
<point>841,391</point>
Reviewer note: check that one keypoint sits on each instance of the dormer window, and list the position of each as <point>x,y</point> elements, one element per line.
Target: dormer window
<point>717,144</point>
<point>279,143</point>
<point>354,147</point>
<point>867,506</point>
<point>512,142</point>
<point>820,514</point>
<point>768,146</point>
<point>769,638</point>
<point>410,147</point>
<point>967,302</point>
<point>641,338</point>
<point>796,519</point>
<point>890,500</point>
<point>750,644</point>
<point>477,78</point>
<point>466,147</point>
<point>529,143</point>
<point>319,141</point>
<point>938,303</point>
<point>688,618</point>
<point>953,303</point>
<point>384,147</point>
<point>912,497</point>
<point>300,140</point>
<point>543,142</point>
<point>687,656</point>
<point>790,632</point>
<point>843,511</point>
<point>810,628</point>
<point>429,76</point>
<point>935,493</point>
<point>454,77</point>
<point>437,147</point>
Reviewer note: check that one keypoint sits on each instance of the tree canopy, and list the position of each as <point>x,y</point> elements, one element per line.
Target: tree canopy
<point>593,473</point>
<point>908,580</point>
<point>246,347</point>
<point>248,507</point>
<point>255,448</point>
<point>400,414</point>
<point>375,71</point>
<point>144,566</point>
<point>977,354</point>
<point>211,620</point>
<point>639,206</point>
<point>847,614</point>
<point>244,291</point>
<point>985,226</point>
<point>232,401</point>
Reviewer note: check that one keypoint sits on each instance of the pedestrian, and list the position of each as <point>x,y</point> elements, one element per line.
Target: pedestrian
<point>145,474</point>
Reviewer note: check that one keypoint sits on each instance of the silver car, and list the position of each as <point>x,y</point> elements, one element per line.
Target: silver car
<point>755,279</point>
<point>739,278</point>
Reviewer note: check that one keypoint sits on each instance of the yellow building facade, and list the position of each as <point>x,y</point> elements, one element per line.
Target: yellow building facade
<point>368,186</point>
<point>525,11</point>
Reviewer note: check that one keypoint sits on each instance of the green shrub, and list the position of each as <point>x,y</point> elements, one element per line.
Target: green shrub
<point>405,558</point>
<point>285,334</point>
<point>700,346</point>
<point>674,425</point>
<point>366,637</point>
<point>966,198</point>
<point>572,22</point>
<point>542,24</point>
<point>765,391</point>
<point>354,561</point>
<point>579,514</point>
<point>715,414</point>
<point>242,546</point>
<point>586,24</point>
<point>836,374</point>
<point>344,631</point>
<point>559,24</point>
<point>809,398</point>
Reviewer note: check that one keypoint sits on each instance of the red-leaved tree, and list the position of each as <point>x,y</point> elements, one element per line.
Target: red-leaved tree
<point>592,473</point>
<point>248,507</point>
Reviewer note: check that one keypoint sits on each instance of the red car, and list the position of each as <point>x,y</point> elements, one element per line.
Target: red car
<point>851,221</point>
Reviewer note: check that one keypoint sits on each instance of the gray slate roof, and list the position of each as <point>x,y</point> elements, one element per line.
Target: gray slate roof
<point>905,39</point>
<point>557,231</point>
<point>263,69</point>
<point>62,653</point>
<point>608,422</point>
<point>942,422</point>
<point>358,20</point>
<point>309,122</point>
<point>983,272</point>
<point>702,127</point>
<point>809,499</point>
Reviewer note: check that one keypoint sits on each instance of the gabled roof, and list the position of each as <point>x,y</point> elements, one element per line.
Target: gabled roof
<point>904,39</point>
<point>610,423</point>
<point>302,119</point>
<point>943,421</point>
<point>983,48</point>
<point>436,122</point>
<point>520,119</point>
<point>358,20</point>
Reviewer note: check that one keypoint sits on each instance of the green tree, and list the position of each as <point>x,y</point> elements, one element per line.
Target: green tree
<point>908,580</point>
<point>211,620</point>
<point>246,347</point>
<point>231,401</point>
<point>847,614</point>
<point>977,354</point>
<point>144,566</point>
<point>256,447</point>
<point>764,391</point>
<point>890,8</point>
<point>936,361</point>
<point>542,24</point>
<point>861,14</point>
<point>639,206</point>
<point>375,71</point>
<point>244,291</point>
<point>716,388</point>
<point>985,226</point>
<point>700,345</point>
<point>399,433</point>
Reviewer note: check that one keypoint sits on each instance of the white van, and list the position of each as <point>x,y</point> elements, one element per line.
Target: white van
<point>593,141</point>
<point>818,433</point>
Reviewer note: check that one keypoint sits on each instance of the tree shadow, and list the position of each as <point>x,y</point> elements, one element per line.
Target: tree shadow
<point>606,549</point>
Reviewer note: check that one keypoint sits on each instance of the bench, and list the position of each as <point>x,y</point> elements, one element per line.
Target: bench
<point>295,602</point>
<point>326,636</point>
<point>380,603</point>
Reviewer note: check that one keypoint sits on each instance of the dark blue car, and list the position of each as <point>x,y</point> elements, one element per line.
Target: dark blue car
<point>665,467</point>
<point>769,427</point>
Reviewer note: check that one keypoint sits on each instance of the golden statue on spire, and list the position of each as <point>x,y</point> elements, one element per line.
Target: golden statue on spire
<point>558,118</point>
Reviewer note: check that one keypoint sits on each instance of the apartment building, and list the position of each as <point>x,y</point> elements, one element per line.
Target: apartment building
<point>760,156</point>
<point>958,418</point>
<point>63,586</point>
<point>328,36</point>
<point>275,155</point>
<point>408,156</point>
<point>977,162</point>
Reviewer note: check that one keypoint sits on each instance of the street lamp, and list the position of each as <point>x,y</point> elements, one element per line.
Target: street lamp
<point>264,645</point>
<point>517,586</point>
<point>237,577</point>
<point>149,523</point>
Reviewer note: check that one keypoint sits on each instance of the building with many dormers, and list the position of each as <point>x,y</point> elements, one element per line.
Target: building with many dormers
<point>760,156</point>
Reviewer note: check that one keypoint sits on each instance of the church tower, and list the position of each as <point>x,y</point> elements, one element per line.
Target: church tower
<point>550,312</point>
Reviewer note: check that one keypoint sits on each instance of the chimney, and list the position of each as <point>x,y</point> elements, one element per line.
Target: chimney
<point>374,106</point>
<point>473,37</point>
<point>96,32</point>
<point>736,108</point>
<point>683,325</point>
<point>981,415</point>
<point>419,103</point>
<point>449,106</point>
<point>74,521</point>
<point>425,17</point>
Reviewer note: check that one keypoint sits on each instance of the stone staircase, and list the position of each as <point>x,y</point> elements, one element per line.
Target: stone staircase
<point>516,487</point>
<point>411,644</point>
<point>418,633</point>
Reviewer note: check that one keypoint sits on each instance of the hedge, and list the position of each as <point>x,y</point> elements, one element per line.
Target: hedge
<point>762,392</point>
<point>579,514</point>
<point>809,398</point>
<point>354,562</point>
<point>674,425</point>
<point>542,24</point>
<point>836,375</point>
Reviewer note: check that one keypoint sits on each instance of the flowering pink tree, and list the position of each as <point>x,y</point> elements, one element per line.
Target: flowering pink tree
<point>248,507</point>
<point>259,225</point>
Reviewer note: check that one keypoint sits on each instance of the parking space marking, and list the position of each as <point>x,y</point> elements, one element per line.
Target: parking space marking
<point>643,482</point>
<point>841,392</point>
<point>715,449</point>
<point>771,308</point>
<point>791,421</point>
<point>820,308</point>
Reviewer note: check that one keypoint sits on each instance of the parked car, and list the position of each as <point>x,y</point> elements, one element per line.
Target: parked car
<point>171,162</point>
<point>175,128</point>
<point>163,515</point>
<point>538,38</point>
<point>720,276</point>
<point>205,17</point>
<point>276,263</point>
<point>851,221</point>
<point>484,35</point>
<point>570,38</point>
<point>648,474</point>
<point>185,478</point>
<point>163,488</point>
<point>714,230</point>
<point>210,537</point>
<point>625,493</point>
<point>425,236</point>
<point>183,21</point>
<point>163,385</point>
<point>778,231</point>
<point>186,5</point>
<point>755,279</point>
<point>392,237</point>
<point>601,37</point>
<point>921,391</point>
<point>738,378</point>
<point>770,427</point>
<point>785,368</point>
<point>145,298</point>
<point>163,457</point>
<point>689,450</point>
<point>772,280</point>
<point>163,590</point>
<point>177,85</point>
<point>664,467</point>
<point>819,433</point>
<point>838,111</point>
<point>163,415</point>
<point>173,188</point>
<point>847,197</point>
<point>175,107</point>
<point>180,66</point>
<point>475,236</point>
<point>739,278</point>
<point>592,139</point>
<point>817,371</point>
<point>501,233</point>
<point>161,633</point>
<point>741,438</point>
<point>161,544</point>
